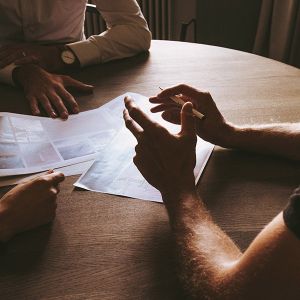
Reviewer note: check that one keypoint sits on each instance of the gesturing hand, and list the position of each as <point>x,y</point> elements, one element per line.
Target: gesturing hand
<point>47,57</point>
<point>29,205</point>
<point>213,128</point>
<point>165,160</point>
<point>49,90</point>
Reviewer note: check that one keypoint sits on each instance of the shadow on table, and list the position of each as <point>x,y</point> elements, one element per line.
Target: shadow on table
<point>24,252</point>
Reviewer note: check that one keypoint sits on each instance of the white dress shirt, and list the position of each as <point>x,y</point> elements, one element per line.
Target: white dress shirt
<point>61,21</point>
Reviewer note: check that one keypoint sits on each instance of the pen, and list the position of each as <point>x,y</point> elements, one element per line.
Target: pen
<point>179,101</point>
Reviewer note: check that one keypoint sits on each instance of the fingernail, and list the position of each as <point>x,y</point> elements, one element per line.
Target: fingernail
<point>64,116</point>
<point>53,114</point>
<point>36,112</point>
<point>76,110</point>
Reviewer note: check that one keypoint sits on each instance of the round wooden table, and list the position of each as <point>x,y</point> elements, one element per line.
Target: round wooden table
<point>108,247</point>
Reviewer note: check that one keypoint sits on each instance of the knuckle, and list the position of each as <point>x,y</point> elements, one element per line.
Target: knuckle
<point>158,127</point>
<point>182,86</point>
<point>162,130</point>
<point>141,140</point>
<point>41,181</point>
<point>72,102</point>
<point>56,86</point>
<point>136,160</point>
<point>133,111</point>
<point>128,123</point>
<point>207,94</point>
<point>137,148</point>
<point>61,175</point>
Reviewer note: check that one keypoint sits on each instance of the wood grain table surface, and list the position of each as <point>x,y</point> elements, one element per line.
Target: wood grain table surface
<point>108,247</point>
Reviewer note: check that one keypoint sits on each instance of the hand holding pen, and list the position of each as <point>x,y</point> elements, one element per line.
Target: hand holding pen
<point>210,124</point>
<point>178,99</point>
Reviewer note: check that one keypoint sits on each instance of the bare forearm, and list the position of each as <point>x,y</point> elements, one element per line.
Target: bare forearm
<point>204,251</point>
<point>274,139</point>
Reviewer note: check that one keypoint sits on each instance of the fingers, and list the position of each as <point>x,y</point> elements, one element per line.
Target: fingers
<point>140,117</point>
<point>49,91</point>
<point>172,115</point>
<point>163,107</point>
<point>135,129</point>
<point>34,105</point>
<point>44,100</point>
<point>55,178</point>
<point>77,85</point>
<point>59,105</point>
<point>73,105</point>
<point>51,103</point>
<point>180,89</point>
<point>161,100</point>
<point>187,120</point>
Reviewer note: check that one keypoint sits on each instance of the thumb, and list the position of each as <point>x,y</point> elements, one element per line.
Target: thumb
<point>187,120</point>
<point>77,85</point>
<point>55,177</point>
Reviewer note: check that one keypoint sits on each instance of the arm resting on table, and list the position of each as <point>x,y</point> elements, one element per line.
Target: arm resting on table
<point>212,267</point>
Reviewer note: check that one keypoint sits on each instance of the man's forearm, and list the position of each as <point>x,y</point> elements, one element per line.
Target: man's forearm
<point>204,250</point>
<point>274,139</point>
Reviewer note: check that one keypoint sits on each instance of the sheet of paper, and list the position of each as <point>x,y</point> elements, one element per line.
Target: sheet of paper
<point>114,172</point>
<point>30,144</point>
<point>70,170</point>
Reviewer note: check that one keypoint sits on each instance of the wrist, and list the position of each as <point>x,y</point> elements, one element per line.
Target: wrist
<point>174,198</point>
<point>182,207</point>
<point>229,136</point>
<point>21,74</point>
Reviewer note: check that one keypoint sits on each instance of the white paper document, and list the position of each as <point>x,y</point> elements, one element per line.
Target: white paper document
<point>30,144</point>
<point>76,169</point>
<point>114,172</point>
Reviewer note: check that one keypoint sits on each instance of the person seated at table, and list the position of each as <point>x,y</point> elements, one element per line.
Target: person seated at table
<point>211,266</point>
<point>29,205</point>
<point>41,38</point>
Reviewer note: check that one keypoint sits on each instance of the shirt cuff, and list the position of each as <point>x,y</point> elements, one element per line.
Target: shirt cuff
<point>6,74</point>
<point>86,52</point>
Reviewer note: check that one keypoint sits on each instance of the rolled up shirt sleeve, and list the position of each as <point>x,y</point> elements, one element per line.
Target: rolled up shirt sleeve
<point>127,34</point>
